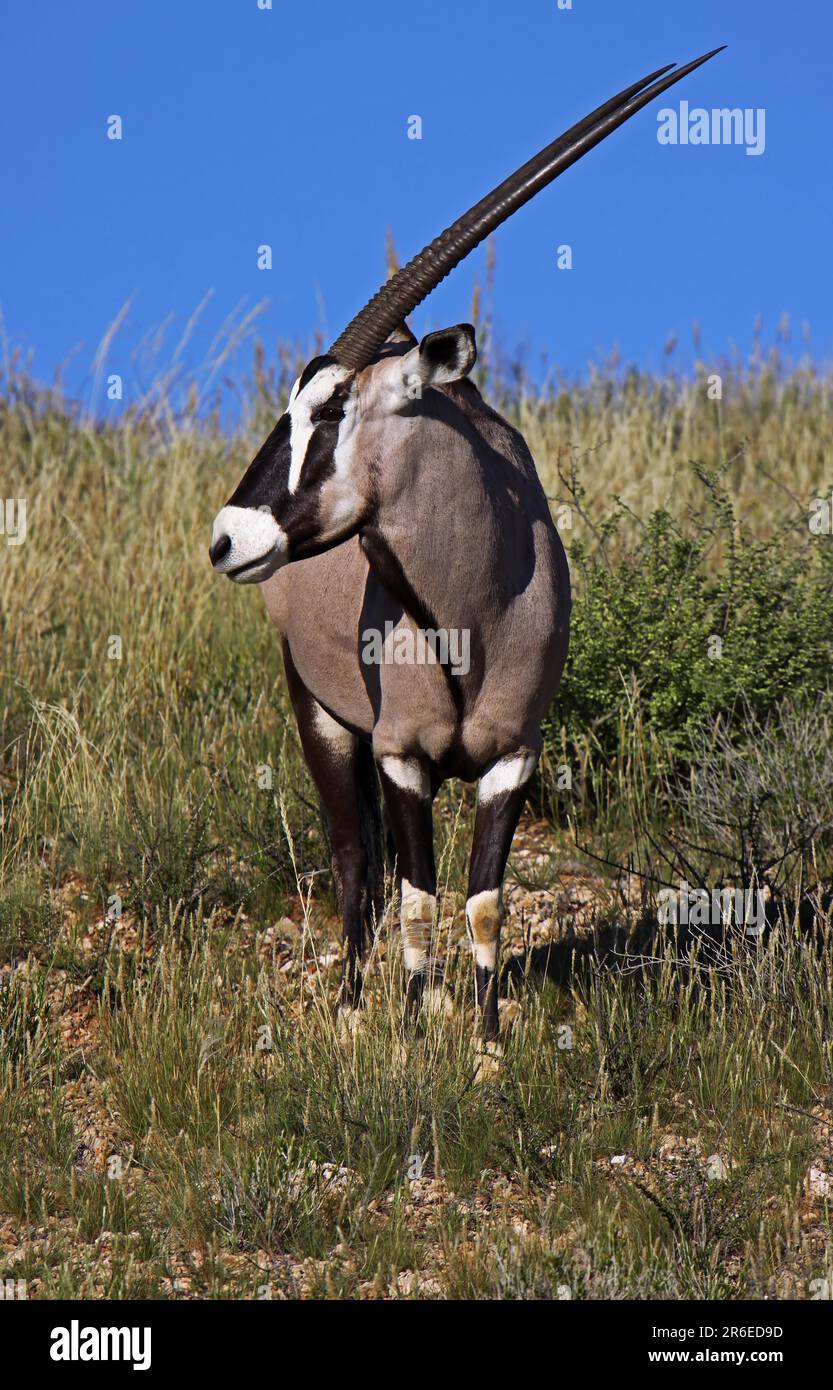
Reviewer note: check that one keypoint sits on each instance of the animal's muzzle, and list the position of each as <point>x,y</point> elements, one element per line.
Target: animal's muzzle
<point>247,544</point>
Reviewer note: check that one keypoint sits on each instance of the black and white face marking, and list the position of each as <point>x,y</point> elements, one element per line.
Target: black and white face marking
<point>299,494</point>
<point>247,543</point>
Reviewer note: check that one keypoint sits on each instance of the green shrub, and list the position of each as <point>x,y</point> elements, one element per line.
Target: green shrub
<point>665,638</point>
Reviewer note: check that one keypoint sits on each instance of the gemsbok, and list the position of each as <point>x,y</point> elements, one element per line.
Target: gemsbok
<point>391,499</point>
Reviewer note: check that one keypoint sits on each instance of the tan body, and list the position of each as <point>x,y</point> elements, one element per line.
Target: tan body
<point>509,590</point>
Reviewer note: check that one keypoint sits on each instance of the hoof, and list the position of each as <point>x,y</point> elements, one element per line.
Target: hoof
<point>350,1023</point>
<point>437,1001</point>
<point>488,1057</point>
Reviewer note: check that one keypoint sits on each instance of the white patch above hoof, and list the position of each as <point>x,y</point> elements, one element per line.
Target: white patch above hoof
<point>484,914</point>
<point>416,919</point>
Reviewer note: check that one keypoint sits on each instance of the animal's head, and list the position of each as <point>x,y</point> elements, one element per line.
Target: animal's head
<point>312,483</point>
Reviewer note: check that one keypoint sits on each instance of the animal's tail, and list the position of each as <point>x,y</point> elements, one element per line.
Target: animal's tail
<point>375,838</point>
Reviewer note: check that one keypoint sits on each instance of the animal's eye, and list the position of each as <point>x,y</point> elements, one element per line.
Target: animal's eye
<point>330,413</point>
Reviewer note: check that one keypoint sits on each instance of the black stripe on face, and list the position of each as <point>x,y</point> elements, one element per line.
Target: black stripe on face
<point>266,481</point>
<point>266,478</point>
<point>302,518</point>
<point>319,460</point>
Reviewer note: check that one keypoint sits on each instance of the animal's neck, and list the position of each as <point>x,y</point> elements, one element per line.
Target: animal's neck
<point>422,552</point>
<point>453,535</point>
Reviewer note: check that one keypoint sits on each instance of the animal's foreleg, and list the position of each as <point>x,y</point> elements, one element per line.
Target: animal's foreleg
<point>500,797</point>
<point>332,756</point>
<point>406,786</point>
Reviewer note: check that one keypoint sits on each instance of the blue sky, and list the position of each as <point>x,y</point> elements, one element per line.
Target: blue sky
<point>288,126</point>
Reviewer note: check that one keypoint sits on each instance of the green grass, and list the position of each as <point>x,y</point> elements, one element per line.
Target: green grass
<point>179,1115</point>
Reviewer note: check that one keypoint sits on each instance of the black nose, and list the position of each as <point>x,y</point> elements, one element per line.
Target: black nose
<point>219,549</point>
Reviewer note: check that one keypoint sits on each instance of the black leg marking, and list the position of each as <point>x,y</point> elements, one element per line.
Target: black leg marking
<point>342,769</point>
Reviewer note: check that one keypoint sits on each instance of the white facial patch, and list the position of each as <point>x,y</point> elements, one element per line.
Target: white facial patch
<point>506,775</point>
<point>408,774</point>
<point>416,920</point>
<point>340,739</point>
<point>256,541</point>
<point>484,914</point>
<point>301,406</point>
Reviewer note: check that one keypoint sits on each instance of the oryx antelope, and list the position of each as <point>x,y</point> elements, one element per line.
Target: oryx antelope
<point>390,497</point>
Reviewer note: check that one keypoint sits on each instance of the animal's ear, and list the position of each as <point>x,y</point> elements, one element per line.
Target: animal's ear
<point>446,355</point>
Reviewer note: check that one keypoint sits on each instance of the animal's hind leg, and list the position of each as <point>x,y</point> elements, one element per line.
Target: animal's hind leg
<point>500,799</point>
<point>407,788</point>
<point>333,755</point>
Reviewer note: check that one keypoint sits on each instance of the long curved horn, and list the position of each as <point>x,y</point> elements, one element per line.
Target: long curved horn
<point>361,339</point>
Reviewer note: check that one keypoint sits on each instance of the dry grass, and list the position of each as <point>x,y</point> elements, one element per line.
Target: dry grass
<point>159,911</point>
